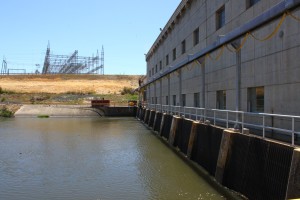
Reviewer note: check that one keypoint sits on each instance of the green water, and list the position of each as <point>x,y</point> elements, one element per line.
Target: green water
<point>91,158</point>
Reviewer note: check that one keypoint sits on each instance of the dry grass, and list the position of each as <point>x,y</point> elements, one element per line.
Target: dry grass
<point>58,84</point>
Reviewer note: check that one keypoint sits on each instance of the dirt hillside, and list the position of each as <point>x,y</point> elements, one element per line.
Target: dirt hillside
<point>99,84</point>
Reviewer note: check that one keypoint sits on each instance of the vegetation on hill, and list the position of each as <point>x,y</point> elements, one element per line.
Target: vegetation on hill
<point>67,89</point>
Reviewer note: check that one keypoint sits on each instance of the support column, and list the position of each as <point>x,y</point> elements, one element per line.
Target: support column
<point>202,63</point>
<point>155,102</point>
<point>236,45</point>
<point>169,92</point>
<point>148,95</point>
<point>180,87</point>
<point>160,94</point>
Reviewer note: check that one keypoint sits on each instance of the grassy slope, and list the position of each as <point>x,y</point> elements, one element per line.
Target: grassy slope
<point>65,89</point>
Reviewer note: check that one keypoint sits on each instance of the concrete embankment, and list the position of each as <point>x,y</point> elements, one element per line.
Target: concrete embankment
<point>58,111</point>
<point>252,166</point>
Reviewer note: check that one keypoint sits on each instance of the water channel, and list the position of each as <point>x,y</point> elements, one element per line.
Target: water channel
<point>92,158</point>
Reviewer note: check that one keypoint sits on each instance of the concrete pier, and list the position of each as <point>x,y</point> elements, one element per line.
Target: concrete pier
<point>224,153</point>
<point>293,190</point>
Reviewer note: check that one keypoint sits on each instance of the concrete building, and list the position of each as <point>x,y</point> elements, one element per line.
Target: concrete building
<point>228,54</point>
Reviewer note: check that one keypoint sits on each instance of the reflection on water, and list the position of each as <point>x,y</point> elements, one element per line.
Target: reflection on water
<point>107,158</point>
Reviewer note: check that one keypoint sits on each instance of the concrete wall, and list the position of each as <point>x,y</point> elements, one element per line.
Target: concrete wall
<point>252,166</point>
<point>273,64</point>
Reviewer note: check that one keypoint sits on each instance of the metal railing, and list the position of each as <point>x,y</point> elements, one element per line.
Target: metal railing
<point>262,122</point>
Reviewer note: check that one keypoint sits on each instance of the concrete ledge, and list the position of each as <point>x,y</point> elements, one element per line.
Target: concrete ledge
<point>58,111</point>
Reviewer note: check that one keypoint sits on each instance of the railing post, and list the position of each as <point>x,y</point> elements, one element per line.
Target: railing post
<point>264,127</point>
<point>243,121</point>
<point>184,111</point>
<point>214,117</point>
<point>293,131</point>
<point>227,119</point>
<point>196,114</point>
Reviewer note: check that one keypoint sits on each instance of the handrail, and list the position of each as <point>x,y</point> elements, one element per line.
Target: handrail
<point>201,114</point>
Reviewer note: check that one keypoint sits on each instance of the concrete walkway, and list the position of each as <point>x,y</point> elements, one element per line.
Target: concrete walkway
<point>58,111</point>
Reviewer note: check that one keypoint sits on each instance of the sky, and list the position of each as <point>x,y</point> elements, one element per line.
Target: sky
<point>126,30</point>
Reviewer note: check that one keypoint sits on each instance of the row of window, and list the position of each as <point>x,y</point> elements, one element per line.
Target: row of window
<point>220,14</point>
<point>255,100</point>
<point>174,53</point>
<point>220,22</point>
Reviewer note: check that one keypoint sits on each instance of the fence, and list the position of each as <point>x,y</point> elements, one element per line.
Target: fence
<point>264,122</point>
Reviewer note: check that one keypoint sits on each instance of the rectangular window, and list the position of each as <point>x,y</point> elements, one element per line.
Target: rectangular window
<point>183,47</point>
<point>221,100</point>
<point>183,100</point>
<point>250,3</point>
<point>167,60</point>
<point>167,100</point>
<point>220,18</point>
<point>256,99</point>
<point>155,68</point>
<point>174,54</point>
<point>156,100</point>
<point>196,36</point>
<point>174,100</point>
<point>197,100</point>
<point>160,65</point>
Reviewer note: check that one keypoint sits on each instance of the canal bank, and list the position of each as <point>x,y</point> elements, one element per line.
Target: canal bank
<point>255,167</point>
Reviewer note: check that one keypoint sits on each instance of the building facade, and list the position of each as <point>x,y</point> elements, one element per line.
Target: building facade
<point>228,54</point>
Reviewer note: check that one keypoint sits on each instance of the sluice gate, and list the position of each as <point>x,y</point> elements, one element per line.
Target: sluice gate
<point>252,166</point>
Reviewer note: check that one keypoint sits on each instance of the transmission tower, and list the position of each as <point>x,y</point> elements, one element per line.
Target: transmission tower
<point>102,61</point>
<point>73,64</point>
<point>4,66</point>
<point>47,60</point>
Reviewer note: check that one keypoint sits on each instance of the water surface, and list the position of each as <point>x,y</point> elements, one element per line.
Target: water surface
<point>91,158</point>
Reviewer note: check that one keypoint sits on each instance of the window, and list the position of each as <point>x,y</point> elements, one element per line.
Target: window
<point>183,100</point>
<point>220,18</point>
<point>152,71</point>
<point>167,60</point>
<point>174,54</point>
<point>197,99</point>
<point>183,47</point>
<point>156,100</point>
<point>160,65</point>
<point>250,3</point>
<point>152,100</point>
<point>256,99</point>
<point>221,99</point>
<point>167,100</point>
<point>174,100</point>
<point>155,68</point>
<point>196,36</point>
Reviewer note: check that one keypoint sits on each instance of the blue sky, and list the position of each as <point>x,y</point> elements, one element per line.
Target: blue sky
<point>126,29</point>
